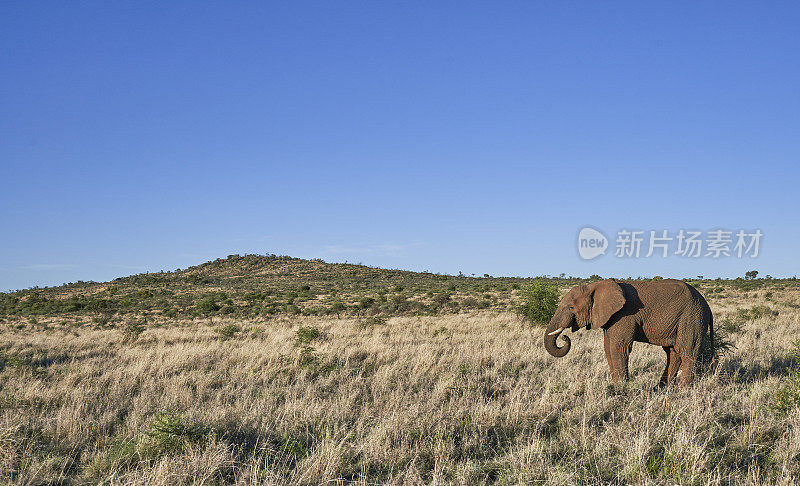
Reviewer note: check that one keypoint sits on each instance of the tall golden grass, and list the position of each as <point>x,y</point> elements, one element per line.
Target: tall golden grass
<point>456,399</point>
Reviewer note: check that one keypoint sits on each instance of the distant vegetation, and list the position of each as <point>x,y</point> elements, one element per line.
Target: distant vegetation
<point>264,285</point>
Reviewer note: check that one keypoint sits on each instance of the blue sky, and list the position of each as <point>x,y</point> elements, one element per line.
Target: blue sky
<point>444,136</point>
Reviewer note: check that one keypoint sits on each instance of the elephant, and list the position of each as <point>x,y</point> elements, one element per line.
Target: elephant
<point>667,313</point>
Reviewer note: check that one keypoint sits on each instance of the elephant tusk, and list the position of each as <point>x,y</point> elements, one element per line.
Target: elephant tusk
<point>556,332</point>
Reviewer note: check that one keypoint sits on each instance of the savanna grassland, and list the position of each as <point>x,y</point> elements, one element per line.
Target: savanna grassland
<point>262,370</point>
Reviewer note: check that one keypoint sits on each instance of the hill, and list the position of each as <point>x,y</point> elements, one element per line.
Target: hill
<point>253,285</point>
<point>264,285</point>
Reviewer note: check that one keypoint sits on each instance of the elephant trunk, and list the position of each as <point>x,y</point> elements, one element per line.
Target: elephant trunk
<point>554,329</point>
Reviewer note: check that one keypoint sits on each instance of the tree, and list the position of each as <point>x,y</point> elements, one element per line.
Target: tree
<point>539,302</point>
<point>751,274</point>
<point>207,305</point>
<point>338,307</point>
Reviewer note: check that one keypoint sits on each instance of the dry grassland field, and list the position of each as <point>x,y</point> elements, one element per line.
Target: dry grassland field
<point>467,397</point>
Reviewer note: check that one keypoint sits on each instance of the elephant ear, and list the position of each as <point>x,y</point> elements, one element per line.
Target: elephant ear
<point>607,299</point>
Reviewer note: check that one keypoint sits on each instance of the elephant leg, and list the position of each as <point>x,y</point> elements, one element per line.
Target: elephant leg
<point>619,359</point>
<point>665,376</point>
<point>617,353</point>
<point>687,369</point>
<point>607,349</point>
<point>674,365</point>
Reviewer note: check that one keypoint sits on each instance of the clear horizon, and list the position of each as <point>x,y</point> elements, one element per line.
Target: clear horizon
<point>455,137</point>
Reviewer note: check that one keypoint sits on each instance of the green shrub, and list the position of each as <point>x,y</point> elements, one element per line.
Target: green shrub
<point>366,302</point>
<point>723,344</point>
<point>307,357</point>
<point>441,298</point>
<point>305,335</point>
<point>470,302</point>
<point>442,331</point>
<point>753,313</point>
<point>539,303</point>
<point>228,331</point>
<point>207,305</point>
<point>338,307</point>
<point>293,446</point>
<point>371,322</point>
<point>169,433</point>
<point>10,361</point>
<point>660,463</point>
<point>132,331</point>
<point>729,326</point>
<point>788,395</point>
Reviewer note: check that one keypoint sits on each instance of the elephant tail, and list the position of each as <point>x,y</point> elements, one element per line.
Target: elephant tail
<point>711,337</point>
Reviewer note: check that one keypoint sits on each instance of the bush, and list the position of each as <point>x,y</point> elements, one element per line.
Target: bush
<point>132,331</point>
<point>337,308</point>
<point>366,302</point>
<point>306,334</point>
<point>723,343</point>
<point>539,303</point>
<point>470,302</point>
<point>788,396</point>
<point>371,322</point>
<point>169,433</point>
<point>441,298</point>
<point>207,305</point>
<point>754,313</point>
<point>228,331</point>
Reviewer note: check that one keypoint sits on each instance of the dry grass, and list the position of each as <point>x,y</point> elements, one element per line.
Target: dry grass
<point>463,399</point>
